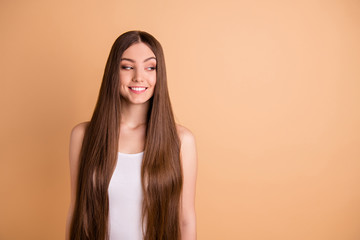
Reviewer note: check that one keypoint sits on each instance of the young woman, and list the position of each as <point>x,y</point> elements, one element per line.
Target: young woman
<point>133,169</point>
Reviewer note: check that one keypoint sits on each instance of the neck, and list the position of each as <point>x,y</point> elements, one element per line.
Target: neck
<point>134,115</point>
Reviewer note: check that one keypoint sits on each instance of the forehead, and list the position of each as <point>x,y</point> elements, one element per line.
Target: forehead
<point>138,51</point>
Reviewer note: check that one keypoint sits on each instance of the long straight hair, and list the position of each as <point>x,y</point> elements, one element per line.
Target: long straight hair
<point>161,173</point>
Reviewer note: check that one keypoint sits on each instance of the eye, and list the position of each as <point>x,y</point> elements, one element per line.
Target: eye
<point>150,68</point>
<point>126,67</point>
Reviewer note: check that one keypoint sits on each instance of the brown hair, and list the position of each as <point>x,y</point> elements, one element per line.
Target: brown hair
<point>161,172</point>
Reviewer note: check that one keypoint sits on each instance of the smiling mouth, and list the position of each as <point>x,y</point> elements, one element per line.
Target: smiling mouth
<point>138,89</point>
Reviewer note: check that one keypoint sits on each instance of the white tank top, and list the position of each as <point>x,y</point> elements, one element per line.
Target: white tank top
<point>125,198</point>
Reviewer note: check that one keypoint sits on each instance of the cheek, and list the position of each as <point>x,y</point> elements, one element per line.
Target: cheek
<point>124,77</point>
<point>153,80</point>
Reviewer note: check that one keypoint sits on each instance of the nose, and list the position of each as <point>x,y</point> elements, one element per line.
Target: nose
<point>138,76</point>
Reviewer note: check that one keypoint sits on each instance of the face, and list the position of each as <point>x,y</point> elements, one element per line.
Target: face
<point>137,74</point>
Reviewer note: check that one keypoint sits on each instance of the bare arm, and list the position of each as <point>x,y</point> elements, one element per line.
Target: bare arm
<point>76,139</point>
<point>189,165</point>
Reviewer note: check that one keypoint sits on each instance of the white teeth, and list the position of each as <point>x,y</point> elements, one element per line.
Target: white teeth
<point>138,88</point>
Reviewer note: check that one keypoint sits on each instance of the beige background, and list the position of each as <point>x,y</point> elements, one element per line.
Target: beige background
<point>269,88</point>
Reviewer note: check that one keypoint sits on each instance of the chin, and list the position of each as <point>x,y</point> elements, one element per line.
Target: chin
<point>139,102</point>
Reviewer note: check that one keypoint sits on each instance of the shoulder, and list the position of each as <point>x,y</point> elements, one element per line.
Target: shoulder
<point>77,133</point>
<point>188,145</point>
<point>185,135</point>
<point>79,129</point>
<point>76,140</point>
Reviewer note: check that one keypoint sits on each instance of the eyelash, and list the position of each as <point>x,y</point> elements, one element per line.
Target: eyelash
<point>129,68</point>
<point>126,67</point>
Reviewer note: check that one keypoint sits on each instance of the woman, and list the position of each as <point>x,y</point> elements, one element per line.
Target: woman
<point>133,169</point>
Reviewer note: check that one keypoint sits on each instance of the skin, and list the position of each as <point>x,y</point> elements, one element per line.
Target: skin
<point>137,69</point>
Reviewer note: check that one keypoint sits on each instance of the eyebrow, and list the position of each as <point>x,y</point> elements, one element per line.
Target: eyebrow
<point>131,60</point>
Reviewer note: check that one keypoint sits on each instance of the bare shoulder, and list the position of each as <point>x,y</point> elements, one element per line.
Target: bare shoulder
<point>76,139</point>
<point>185,135</point>
<point>188,147</point>
<point>79,129</point>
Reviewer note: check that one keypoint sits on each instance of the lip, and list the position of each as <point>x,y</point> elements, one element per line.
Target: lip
<point>137,92</point>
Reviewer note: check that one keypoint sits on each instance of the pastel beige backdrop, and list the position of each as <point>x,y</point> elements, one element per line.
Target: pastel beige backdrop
<point>271,90</point>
